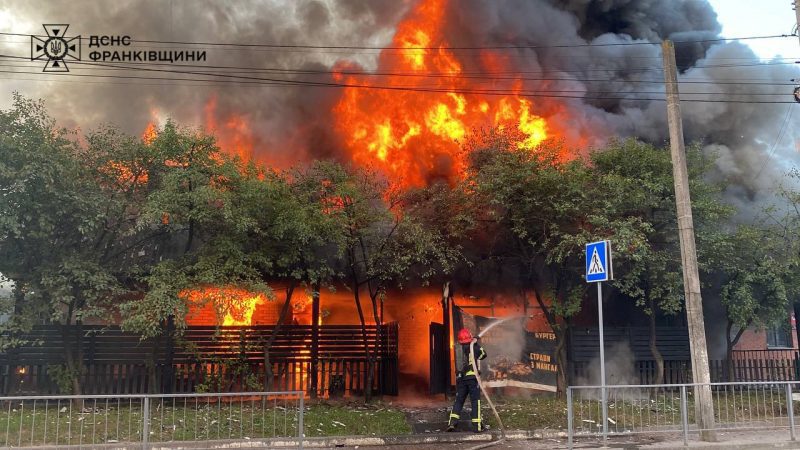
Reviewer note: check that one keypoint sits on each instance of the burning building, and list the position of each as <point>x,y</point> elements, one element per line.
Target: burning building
<point>403,86</point>
<point>578,72</point>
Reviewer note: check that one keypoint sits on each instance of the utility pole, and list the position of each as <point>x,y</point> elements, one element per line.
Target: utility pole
<point>704,406</point>
<point>797,16</point>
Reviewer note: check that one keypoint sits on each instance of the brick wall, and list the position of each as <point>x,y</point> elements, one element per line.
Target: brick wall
<point>757,339</point>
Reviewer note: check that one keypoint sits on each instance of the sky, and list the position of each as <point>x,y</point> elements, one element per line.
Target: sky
<point>741,18</point>
<point>292,124</point>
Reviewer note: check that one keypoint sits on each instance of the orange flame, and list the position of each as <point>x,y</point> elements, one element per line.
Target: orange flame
<point>235,305</point>
<point>234,135</point>
<point>149,133</point>
<point>411,134</point>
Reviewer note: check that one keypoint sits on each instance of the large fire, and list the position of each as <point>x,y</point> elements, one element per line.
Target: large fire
<point>233,133</point>
<point>234,306</point>
<point>411,134</point>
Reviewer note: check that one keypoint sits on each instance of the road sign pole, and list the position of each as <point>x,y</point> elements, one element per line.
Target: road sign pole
<point>604,396</point>
<point>599,268</point>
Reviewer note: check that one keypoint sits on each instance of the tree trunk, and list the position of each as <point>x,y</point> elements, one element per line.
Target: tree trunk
<point>561,342</point>
<point>268,374</point>
<point>314,339</point>
<point>372,360</point>
<point>151,368</point>
<point>73,357</point>
<point>357,297</point>
<point>730,343</point>
<point>561,359</point>
<point>657,356</point>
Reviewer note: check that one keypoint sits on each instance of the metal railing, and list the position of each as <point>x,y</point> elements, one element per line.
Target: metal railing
<point>122,420</point>
<point>670,409</point>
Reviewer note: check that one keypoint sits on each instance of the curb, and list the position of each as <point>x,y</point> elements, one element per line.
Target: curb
<point>727,445</point>
<point>415,439</point>
<point>319,442</point>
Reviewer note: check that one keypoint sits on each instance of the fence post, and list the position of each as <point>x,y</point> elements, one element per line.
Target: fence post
<point>605,414</point>
<point>300,419</point>
<point>145,422</point>
<point>684,416</point>
<point>570,424</point>
<point>790,410</point>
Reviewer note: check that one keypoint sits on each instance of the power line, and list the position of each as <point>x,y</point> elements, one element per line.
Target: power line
<point>504,57</point>
<point>485,92</point>
<point>509,92</point>
<point>781,131</point>
<point>489,75</point>
<point>493,92</point>
<point>382,48</point>
<point>234,70</point>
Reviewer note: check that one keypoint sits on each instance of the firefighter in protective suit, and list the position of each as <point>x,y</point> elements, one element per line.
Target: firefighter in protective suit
<point>467,383</point>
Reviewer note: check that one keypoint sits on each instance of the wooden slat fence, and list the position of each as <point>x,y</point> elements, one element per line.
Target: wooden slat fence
<point>679,371</point>
<point>673,343</point>
<point>226,359</point>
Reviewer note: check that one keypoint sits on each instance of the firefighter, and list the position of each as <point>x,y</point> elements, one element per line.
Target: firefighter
<point>467,383</point>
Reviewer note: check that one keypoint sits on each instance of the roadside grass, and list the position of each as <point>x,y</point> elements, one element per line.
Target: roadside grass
<point>354,418</point>
<point>541,411</point>
<point>656,410</point>
<point>51,423</point>
<point>94,422</point>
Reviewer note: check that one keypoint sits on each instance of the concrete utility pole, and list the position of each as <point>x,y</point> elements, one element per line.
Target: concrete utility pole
<point>797,16</point>
<point>704,406</point>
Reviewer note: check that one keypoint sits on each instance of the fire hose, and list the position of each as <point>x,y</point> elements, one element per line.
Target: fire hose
<point>483,390</point>
<point>488,399</point>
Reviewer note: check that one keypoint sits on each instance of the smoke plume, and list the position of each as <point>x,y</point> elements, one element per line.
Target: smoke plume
<point>285,124</point>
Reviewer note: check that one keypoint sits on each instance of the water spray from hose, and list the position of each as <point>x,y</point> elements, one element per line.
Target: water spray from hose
<point>480,384</point>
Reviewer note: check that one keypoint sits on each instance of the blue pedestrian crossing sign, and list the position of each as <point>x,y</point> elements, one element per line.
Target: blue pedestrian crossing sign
<point>598,262</point>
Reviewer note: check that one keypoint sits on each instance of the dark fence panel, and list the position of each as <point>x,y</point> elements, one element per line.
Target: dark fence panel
<point>226,359</point>
<point>770,368</point>
<point>672,342</point>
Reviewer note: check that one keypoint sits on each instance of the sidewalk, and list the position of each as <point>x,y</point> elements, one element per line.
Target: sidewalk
<point>557,440</point>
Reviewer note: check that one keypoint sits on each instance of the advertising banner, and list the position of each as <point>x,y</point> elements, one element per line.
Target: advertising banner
<point>515,357</point>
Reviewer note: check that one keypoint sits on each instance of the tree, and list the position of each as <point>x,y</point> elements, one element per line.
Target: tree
<point>383,244</point>
<point>68,219</point>
<point>541,213</point>
<point>785,222</point>
<point>191,221</point>
<point>754,285</point>
<point>290,234</point>
<point>636,178</point>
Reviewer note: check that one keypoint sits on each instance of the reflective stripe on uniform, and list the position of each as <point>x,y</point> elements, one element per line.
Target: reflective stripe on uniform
<point>453,416</point>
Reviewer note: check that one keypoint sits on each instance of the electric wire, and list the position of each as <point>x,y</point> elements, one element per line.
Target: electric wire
<point>781,131</point>
<point>407,48</point>
<point>265,81</point>
<point>510,91</point>
<point>595,95</point>
<point>485,92</point>
<point>488,75</point>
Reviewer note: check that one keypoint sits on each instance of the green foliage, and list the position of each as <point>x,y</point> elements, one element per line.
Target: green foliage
<point>636,179</point>
<point>548,210</point>
<point>62,377</point>
<point>60,221</point>
<point>116,227</point>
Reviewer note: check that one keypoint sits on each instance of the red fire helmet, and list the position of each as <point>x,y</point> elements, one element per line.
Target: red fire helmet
<point>464,336</point>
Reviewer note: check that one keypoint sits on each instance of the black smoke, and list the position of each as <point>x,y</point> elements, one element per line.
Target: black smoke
<point>293,123</point>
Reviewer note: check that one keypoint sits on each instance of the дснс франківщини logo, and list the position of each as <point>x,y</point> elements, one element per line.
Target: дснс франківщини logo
<point>56,48</point>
